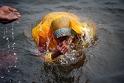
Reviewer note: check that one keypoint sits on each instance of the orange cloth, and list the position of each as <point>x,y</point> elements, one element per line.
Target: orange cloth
<point>44,27</point>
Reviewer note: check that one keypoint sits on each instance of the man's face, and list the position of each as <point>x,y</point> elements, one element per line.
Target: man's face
<point>60,40</point>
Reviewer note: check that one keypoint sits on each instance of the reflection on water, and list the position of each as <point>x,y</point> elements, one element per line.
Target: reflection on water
<point>100,63</point>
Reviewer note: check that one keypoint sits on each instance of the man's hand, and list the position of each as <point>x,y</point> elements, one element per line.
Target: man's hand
<point>60,50</point>
<point>8,14</point>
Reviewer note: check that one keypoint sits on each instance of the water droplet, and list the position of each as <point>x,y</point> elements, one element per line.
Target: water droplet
<point>19,81</point>
<point>8,70</point>
<point>72,58</point>
<point>14,53</point>
<point>2,77</point>
<point>7,38</point>
<point>8,46</point>
<point>4,36</point>
<point>10,66</point>
<point>12,33</point>
<point>10,80</point>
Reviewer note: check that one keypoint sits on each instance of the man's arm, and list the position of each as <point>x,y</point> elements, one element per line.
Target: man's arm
<point>42,44</point>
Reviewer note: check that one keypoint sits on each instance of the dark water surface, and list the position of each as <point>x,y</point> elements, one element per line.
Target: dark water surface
<point>102,63</point>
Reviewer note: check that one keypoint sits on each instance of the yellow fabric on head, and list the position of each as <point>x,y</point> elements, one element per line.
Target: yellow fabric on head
<point>60,21</point>
<point>56,20</point>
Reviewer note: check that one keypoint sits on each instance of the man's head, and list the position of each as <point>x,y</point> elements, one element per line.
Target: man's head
<point>60,27</point>
<point>62,34</point>
<point>60,22</point>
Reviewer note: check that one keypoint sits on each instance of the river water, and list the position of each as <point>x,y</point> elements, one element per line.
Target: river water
<point>102,63</point>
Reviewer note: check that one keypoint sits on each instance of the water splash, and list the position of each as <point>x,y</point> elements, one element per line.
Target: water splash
<point>12,35</point>
<point>76,46</point>
<point>8,35</point>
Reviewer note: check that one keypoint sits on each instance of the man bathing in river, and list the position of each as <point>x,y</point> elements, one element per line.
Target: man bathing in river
<point>55,30</point>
